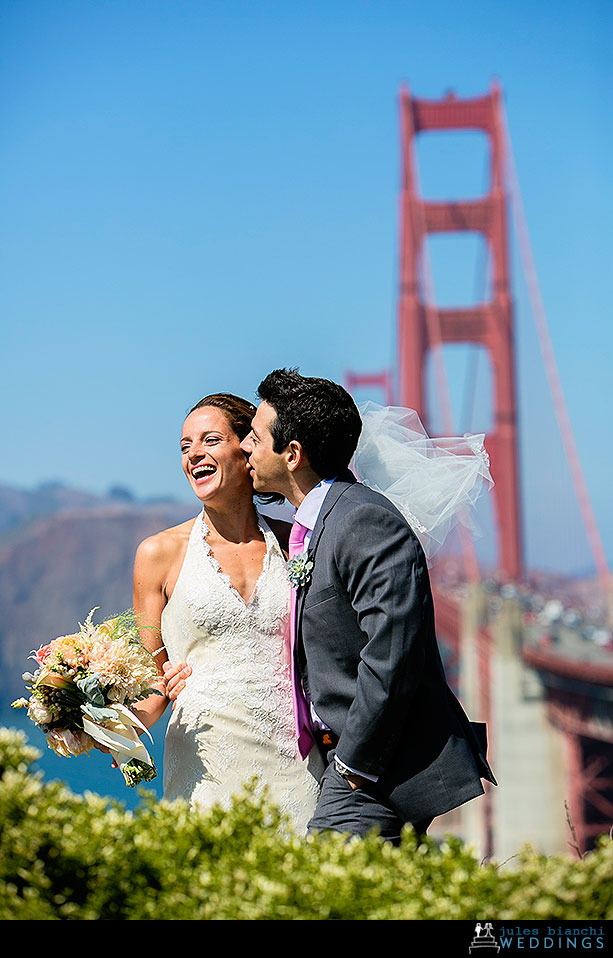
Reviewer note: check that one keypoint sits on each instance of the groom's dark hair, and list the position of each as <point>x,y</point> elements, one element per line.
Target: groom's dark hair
<point>317,413</point>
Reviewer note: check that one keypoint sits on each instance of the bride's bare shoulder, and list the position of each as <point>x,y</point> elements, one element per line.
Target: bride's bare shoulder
<point>162,547</point>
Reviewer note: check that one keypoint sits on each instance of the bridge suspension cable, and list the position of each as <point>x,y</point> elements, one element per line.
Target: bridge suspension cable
<point>550,364</point>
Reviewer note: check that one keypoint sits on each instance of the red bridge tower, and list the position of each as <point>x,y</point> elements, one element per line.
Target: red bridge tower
<point>422,326</point>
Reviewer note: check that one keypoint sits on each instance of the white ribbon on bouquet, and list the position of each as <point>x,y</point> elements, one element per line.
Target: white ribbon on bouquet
<point>119,736</point>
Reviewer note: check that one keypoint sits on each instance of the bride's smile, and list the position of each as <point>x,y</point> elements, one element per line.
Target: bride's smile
<point>201,473</point>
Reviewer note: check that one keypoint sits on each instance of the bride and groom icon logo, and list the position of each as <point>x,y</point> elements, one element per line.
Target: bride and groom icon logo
<point>484,938</point>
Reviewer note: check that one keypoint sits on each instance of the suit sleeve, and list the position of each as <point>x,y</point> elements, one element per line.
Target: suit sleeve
<point>384,571</point>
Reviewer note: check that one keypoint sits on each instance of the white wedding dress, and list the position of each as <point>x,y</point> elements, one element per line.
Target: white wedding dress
<point>234,719</point>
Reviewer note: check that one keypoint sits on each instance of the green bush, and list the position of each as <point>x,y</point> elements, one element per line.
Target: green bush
<point>86,858</point>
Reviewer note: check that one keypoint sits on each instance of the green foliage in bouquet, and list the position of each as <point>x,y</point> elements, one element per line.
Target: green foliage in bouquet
<point>86,858</point>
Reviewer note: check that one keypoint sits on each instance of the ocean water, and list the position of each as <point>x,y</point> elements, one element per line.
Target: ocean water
<point>93,772</point>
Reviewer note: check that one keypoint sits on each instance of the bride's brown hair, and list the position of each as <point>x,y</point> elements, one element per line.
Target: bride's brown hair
<point>239,412</point>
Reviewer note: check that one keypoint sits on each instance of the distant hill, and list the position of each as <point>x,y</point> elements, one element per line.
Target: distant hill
<point>63,552</point>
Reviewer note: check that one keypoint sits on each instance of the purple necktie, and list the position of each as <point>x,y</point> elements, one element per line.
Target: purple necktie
<point>301,706</point>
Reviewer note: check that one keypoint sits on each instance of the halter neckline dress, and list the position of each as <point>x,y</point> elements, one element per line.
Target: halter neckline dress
<point>234,720</point>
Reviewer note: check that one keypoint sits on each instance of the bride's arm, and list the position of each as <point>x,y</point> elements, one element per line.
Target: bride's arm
<point>149,598</point>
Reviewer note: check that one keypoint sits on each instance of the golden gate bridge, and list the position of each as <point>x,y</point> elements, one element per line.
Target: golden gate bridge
<point>538,677</point>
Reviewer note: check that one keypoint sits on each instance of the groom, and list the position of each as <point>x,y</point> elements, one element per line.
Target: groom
<point>371,689</point>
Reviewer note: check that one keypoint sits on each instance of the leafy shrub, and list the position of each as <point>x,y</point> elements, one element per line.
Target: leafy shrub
<point>87,858</point>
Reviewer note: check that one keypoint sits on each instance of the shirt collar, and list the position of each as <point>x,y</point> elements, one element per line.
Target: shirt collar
<point>310,507</point>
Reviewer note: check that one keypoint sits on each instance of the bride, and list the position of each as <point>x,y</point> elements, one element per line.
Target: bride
<point>212,600</point>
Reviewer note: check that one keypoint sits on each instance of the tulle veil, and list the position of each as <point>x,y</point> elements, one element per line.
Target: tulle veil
<point>434,482</point>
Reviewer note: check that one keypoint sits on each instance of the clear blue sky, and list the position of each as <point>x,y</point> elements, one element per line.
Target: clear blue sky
<point>196,192</point>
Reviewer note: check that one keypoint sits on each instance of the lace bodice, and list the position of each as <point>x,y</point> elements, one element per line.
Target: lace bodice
<point>236,712</point>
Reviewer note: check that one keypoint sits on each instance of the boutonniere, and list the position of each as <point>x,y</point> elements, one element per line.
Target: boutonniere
<point>299,569</point>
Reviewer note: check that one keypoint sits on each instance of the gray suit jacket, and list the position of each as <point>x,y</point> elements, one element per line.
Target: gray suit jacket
<point>370,661</point>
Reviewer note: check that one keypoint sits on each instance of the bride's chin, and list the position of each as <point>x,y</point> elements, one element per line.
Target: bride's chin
<point>204,490</point>
<point>222,497</point>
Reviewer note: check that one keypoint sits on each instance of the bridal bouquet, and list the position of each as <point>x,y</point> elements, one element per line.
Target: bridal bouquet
<point>83,688</point>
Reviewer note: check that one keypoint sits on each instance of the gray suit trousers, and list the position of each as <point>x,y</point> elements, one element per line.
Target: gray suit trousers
<point>357,811</point>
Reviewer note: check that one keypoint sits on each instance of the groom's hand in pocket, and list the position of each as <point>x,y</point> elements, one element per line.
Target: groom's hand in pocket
<point>175,677</point>
<point>356,781</point>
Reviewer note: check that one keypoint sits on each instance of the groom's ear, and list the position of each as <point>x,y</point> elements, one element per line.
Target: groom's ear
<point>294,455</point>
